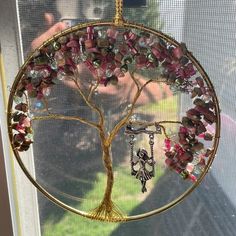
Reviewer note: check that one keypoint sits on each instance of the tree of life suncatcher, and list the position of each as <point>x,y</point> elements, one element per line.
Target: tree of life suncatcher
<point>110,56</point>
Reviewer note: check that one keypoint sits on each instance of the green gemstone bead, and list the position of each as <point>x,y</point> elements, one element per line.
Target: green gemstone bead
<point>56,46</point>
<point>84,57</point>
<point>53,65</point>
<point>144,34</point>
<point>124,68</point>
<point>113,80</point>
<point>63,40</point>
<point>102,43</point>
<point>17,99</point>
<point>151,57</point>
<point>109,73</point>
<point>179,81</point>
<point>32,94</point>
<point>96,63</point>
<point>110,47</point>
<point>41,60</point>
<point>128,60</point>
<point>184,174</point>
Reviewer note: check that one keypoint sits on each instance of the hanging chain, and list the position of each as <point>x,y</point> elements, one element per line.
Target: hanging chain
<point>151,143</point>
<point>131,143</point>
<point>118,19</point>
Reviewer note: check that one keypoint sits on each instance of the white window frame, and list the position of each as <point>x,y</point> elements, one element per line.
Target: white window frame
<point>22,194</point>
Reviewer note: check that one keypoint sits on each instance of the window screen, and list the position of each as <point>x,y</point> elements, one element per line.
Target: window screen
<point>208,28</point>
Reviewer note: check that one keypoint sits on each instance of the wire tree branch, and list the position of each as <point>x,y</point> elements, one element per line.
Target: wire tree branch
<point>92,90</point>
<point>45,101</point>
<point>134,79</point>
<point>88,102</point>
<point>123,121</point>
<point>62,117</point>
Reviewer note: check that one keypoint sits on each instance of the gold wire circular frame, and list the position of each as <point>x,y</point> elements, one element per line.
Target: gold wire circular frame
<point>129,25</point>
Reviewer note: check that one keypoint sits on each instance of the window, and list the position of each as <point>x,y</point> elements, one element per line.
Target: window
<point>208,28</point>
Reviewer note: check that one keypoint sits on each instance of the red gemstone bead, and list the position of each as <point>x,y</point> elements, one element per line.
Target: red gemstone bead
<point>73,44</point>
<point>156,53</point>
<point>193,178</point>
<point>141,61</point>
<point>186,157</point>
<point>169,162</point>
<point>183,130</point>
<point>200,81</point>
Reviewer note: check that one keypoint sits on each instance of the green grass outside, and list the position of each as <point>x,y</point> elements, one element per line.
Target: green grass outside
<point>73,225</point>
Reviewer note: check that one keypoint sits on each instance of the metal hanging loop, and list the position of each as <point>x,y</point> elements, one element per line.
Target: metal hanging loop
<point>118,19</point>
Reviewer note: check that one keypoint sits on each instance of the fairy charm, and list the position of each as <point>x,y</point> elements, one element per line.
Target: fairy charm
<point>142,165</point>
<point>143,174</point>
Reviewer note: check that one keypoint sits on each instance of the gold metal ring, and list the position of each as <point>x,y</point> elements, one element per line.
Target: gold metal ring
<point>129,26</point>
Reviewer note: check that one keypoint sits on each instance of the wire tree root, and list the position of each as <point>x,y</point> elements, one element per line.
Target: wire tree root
<point>107,211</point>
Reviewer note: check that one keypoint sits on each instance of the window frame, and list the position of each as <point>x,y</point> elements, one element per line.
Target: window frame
<point>21,195</point>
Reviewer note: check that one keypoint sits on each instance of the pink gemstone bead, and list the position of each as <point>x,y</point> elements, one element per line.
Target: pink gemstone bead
<point>132,36</point>
<point>150,65</point>
<point>141,61</point>
<point>183,130</point>
<point>118,73</point>
<point>60,58</point>
<point>20,129</point>
<point>90,66</point>
<point>169,162</point>
<point>39,95</point>
<point>90,32</point>
<point>178,170</point>
<point>189,70</point>
<point>190,167</point>
<point>193,178</point>
<point>25,122</point>
<point>123,49</point>
<point>167,144</point>
<point>132,48</point>
<point>118,57</point>
<point>112,33</point>
<point>103,81</point>
<point>177,52</point>
<point>200,81</point>
<point>29,87</point>
<point>156,53</point>
<point>202,135</point>
<point>94,49</point>
<point>89,43</point>
<point>70,62</point>
<point>81,45</point>
<point>210,128</point>
<point>174,67</point>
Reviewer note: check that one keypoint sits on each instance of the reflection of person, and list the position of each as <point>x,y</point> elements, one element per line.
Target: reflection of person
<point>53,29</point>
<point>74,137</point>
<point>35,18</point>
<point>48,15</point>
<point>152,93</point>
